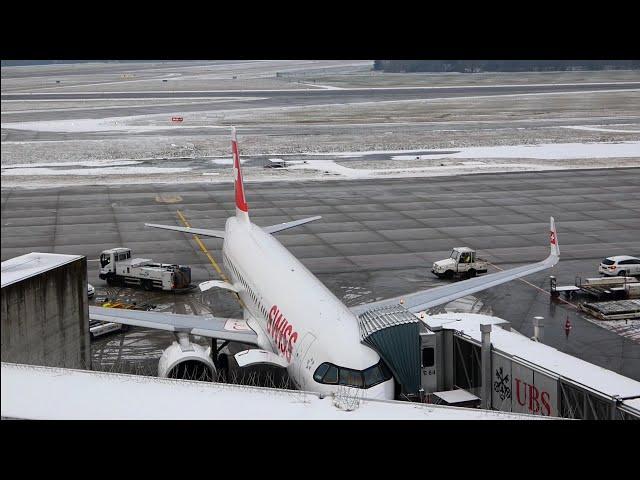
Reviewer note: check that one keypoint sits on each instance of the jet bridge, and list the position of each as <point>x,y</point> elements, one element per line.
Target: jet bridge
<point>394,332</point>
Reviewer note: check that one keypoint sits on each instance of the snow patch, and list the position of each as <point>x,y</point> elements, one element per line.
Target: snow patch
<point>599,129</point>
<point>93,171</point>
<point>552,151</point>
<point>87,163</point>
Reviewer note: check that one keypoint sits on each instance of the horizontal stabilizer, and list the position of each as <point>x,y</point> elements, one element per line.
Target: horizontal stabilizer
<point>284,226</point>
<point>194,231</point>
<point>259,357</point>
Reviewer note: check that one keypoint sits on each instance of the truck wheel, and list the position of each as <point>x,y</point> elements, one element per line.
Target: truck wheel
<point>472,273</point>
<point>448,274</point>
<point>622,273</point>
<point>147,285</point>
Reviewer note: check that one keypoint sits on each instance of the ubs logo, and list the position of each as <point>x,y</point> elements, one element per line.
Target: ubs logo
<point>282,332</point>
<point>536,401</point>
<point>502,386</point>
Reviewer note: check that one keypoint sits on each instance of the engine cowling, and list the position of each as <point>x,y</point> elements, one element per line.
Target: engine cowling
<point>187,361</point>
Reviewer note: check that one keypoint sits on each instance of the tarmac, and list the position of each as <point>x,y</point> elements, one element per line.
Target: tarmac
<point>377,238</point>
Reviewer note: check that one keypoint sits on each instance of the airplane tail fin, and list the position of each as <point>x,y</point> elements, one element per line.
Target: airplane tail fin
<point>553,239</point>
<point>242,209</point>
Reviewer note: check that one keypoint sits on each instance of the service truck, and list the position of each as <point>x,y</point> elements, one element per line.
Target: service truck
<point>118,268</point>
<point>461,262</point>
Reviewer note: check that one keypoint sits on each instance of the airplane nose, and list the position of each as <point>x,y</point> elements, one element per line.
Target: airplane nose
<point>382,391</point>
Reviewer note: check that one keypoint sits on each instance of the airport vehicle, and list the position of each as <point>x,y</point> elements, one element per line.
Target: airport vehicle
<point>602,288</point>
<point>276,163</point>
<point>293,319</point>
<point>620,265</point>
<point>91,291</point>
<point>462,261</point>
<point>118,268</point>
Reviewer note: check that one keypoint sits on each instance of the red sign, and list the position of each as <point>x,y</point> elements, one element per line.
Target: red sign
<point>538,401</point>
<point>176,119</point>
<point>282,332</point>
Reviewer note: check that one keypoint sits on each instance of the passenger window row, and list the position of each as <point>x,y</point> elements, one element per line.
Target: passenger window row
<point>248,289</point>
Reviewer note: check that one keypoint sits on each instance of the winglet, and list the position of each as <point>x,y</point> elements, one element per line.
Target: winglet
<point>553,239</point>
<point>242,209</point>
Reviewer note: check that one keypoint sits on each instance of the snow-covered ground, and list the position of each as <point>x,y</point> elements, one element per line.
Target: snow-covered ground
<point>332,165</point>
<point>32,392</point>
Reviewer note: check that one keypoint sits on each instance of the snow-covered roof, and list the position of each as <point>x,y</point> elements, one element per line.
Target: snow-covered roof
<point>30,264</point>
<point>633,403</point>
<point>543,356</point>
<point>440,320</point>
<point>456,396</point>
<point>84,394</point>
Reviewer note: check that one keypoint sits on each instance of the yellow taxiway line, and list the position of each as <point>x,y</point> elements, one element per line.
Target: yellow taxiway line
<point>208,255</point>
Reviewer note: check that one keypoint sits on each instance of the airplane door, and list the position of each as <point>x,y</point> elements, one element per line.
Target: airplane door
<point>303,360</point>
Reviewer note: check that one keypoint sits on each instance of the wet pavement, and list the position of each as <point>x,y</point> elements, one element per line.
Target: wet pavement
<point>377,239</point>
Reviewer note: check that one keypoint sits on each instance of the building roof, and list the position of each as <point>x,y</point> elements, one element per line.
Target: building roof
<point>30,264</point>
<point>549,359</point>
<point>85,394</point>
<point>456,396</point>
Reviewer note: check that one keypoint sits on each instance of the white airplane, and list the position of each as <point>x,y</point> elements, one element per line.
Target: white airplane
<point>293,319</point>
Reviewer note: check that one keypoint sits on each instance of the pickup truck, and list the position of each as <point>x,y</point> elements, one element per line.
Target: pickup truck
<point>461,262</point>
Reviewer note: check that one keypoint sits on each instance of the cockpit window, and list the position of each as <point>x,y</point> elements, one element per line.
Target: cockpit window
<point>320,371</point>
<point>331,374</point>
<point>352,378</point>
<point>376,374</point>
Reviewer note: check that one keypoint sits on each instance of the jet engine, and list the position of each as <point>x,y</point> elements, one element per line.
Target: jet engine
<point>187,361</point>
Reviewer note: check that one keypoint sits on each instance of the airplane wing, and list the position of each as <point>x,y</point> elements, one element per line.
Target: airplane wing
<point>419,301</point>
<point>195,231</point>
<point>284,226</point>
<point>204,325</point>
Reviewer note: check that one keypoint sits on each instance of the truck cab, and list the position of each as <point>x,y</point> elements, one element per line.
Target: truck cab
<point>108,259</point>
<point>462,260</point>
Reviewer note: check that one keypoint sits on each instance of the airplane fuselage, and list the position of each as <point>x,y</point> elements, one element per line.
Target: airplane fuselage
<point>293,313</point>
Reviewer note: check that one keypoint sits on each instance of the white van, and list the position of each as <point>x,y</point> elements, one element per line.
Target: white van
<point>621,265</point>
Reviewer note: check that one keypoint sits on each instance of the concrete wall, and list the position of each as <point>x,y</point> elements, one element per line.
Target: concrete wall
<point>45,318</point>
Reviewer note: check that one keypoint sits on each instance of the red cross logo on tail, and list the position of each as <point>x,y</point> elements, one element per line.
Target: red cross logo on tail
<point>241,203</point>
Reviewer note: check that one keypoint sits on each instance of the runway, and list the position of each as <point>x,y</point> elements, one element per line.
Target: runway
<point>377,238</point>
<point>242,99</point>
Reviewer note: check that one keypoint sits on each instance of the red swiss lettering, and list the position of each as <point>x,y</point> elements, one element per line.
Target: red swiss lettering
<point>286,335</point>
<point>281,331</point>
<point>272,314</point>
<point>292,339</point>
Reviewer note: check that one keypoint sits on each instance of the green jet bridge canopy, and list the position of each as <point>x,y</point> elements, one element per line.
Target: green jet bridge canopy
<point>394,332</point>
